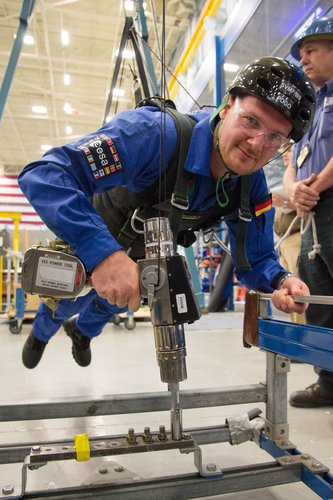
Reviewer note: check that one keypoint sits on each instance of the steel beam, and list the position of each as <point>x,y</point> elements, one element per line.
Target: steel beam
<point>129,403</point>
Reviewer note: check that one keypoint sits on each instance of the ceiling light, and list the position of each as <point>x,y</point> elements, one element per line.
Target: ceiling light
<point>68,129</point>
<point>28,39</point>
<point>68,108</point>
<point>64,37</point>
<point>230,67</point>
<point>118,92</point>
<point>127,53</point>
<point>129,5</point>
<point>39,109</point>
<point>45,147</point>
<point>67,79</point>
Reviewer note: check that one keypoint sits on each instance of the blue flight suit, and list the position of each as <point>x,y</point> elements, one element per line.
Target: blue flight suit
<point>126,151</point>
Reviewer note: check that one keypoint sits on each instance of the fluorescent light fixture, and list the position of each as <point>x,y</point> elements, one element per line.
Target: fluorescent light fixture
<point>64,37</point>
<point>230,67</point>
<point>28,39</point>
<point>118,92</point>
<point>67,79</point>
<point>42,110</point>
<point>68,129</point>
<point>45,147</point>
<point>316,13</point>
<point>129,5</point>
<point>68,108</point>
<point>127,53</point>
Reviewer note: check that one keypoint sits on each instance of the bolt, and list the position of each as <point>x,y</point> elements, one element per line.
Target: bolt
<point>147,437</point>
<point>118,468</point>
<point>316,465</point>
<point>287,458</point>
<point>102,469</point>
<point>130,438</point>
<point>211,467</point>
<point>285,443</point>
<point>35,449</point>
<point>186,436</point>
<point>162,434</point>
<point>8,490</point>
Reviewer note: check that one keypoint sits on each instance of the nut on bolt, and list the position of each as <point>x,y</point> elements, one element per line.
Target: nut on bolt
<point>147,436</point>
<point>131,438</point>
<point>162,434</point>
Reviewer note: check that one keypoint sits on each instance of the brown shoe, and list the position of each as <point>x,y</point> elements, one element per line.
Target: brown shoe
<point>313,396</point>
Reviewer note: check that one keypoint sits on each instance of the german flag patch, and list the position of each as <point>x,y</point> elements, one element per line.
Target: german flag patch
<point>263,205</point>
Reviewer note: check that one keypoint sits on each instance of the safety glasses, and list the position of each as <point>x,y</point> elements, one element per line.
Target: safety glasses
<point>253,128</point>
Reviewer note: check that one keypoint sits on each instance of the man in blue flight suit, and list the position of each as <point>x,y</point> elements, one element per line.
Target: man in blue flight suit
<point>269,103</point>
<point>309,183</point>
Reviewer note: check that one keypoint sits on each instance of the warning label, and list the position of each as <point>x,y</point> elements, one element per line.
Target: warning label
<point>56,274</point>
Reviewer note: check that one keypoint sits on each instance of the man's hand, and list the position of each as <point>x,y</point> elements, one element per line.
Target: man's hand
<point>282,299</point>
<point>304,196</point>
<point>116,279</point>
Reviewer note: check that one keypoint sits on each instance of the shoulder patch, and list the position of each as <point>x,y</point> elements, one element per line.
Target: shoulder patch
<point>102,156</point>
<point>263,204</point>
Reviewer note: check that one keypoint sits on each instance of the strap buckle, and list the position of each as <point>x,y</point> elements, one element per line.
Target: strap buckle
<point>179,202</point>
<point>245,216</point>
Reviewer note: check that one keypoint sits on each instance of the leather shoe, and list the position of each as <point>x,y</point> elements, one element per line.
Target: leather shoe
<point>313,396</point>
<point>81,344</point>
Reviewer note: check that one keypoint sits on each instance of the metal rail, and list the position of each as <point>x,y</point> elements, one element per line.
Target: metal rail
<point>309,299</point>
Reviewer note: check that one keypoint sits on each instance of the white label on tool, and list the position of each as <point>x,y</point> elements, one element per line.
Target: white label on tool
<point>181,303</point>
<point>56,274</point>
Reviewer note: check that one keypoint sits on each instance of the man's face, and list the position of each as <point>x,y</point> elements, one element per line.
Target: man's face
<point>317,61</point>
<point>242,150</point>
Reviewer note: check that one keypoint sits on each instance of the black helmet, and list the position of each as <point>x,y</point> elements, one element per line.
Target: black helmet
<point>320,29</point>
<point>282,85</point>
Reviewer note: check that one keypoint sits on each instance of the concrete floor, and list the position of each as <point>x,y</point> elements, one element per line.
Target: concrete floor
<point>124,362</point>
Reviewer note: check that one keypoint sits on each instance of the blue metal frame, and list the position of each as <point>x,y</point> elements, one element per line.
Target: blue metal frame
<point>311,344</point>
<point>321,483</point>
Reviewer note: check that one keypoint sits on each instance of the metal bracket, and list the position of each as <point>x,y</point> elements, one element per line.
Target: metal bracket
<point>282,364</point>
<point>11,491</point>
<point>305,459</point>
<point>210,470</point>
<point>274,432</point>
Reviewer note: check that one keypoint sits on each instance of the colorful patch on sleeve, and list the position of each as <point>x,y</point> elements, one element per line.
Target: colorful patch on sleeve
<point>263,205</point>
<point>102,156</point>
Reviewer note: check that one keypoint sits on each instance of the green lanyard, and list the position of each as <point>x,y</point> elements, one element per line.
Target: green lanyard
<point>221,179</point>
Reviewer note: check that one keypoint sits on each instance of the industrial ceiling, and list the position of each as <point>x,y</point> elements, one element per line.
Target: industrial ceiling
<point>94,30</point>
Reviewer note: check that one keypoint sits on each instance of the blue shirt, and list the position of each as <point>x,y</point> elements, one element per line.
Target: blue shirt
<point>320,136</point>
<point>126,152</point>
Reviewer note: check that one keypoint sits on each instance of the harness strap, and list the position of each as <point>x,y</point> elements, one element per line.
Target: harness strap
<point>244,216</point>
<point>179,199</point>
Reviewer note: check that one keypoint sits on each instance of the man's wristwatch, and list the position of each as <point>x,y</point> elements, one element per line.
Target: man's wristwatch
<point>283,279</point>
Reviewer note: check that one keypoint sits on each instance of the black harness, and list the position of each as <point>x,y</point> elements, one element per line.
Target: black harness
<point>117,205</point>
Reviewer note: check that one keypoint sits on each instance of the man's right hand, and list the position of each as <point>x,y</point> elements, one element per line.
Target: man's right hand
<point>116,279</point>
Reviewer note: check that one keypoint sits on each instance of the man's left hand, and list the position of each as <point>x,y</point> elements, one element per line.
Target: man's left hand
<point>282,299</point>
